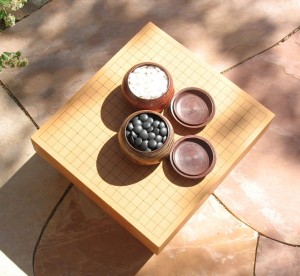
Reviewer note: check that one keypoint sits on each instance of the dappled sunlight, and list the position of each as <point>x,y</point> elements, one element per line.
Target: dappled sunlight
<point>66,43</point>
<point>70,40</point>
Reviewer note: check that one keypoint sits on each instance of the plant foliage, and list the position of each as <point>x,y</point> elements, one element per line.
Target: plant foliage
<point>11,59</point>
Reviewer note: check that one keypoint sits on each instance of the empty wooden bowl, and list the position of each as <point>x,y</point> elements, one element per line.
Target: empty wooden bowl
<point>148,86</point>
<point>193,157</point>
<point>193,107</point>
<point>134,137</point>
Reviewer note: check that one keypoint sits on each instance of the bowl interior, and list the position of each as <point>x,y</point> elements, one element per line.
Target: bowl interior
<point>140,76</point>
<point>192,156</point>
<point>193,107</point>
<point>158,133</point>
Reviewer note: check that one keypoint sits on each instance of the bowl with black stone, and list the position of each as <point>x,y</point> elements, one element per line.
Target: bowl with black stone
<point>146,137</point>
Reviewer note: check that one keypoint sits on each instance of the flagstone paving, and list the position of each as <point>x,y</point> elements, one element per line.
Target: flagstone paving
<point>29,189</point>
<point>15,149</point>
<point>275,258</point>
<point>67,42</point>
<point>267,179</point>
<point>81,239</point>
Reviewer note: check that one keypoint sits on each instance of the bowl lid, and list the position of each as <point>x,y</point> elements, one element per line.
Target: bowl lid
<point>192,156</point>
<point>193,107</point>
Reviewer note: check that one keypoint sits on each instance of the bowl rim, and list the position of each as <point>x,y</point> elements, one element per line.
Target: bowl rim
<point>203,92</point>
<point>125,80</point>
<point>211,166</point>
<point>167,123</point>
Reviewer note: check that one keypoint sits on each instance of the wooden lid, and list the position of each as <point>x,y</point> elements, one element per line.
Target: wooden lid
<point>193,157</point>
<point>193,107</point>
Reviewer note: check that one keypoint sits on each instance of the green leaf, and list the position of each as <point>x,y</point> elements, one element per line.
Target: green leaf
<point>3,13</point>
<point>12,60</point>
<point>4,57</point>
<point>9,20</point>
<point>22,63</point>
<point>4,2</point>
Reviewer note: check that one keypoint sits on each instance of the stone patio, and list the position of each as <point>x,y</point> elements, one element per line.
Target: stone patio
<point>248,226</point>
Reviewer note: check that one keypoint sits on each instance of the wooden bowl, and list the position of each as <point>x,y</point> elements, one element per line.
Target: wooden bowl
<point>193,107</point>
<point>193,157</point>
<point>142,157</point>
<point>156,104</point>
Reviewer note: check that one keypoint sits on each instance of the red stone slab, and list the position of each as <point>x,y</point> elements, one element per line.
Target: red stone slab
<point>274,258</point>
<point>263,189</point>
<point>82,239</point>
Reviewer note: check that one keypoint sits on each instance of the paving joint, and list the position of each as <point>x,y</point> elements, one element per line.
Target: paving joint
<point>259,233</point>
<point>47,222</point>
<point>39,7</point>
<point>255,257</point>
<point>263,51</point>
<point>15,99</point>
<point>282,242</point>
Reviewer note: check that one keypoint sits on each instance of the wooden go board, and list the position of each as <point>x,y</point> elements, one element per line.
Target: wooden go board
<point>152,203</point>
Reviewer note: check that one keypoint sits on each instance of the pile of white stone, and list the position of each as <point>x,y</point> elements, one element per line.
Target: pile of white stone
<point>148,82</point>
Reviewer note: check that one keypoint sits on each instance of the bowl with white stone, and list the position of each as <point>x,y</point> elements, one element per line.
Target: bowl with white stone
<point>148,86</point>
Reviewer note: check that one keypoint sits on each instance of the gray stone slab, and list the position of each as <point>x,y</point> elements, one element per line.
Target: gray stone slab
<point>68,41</point>
<point>15,131</point>
<point>30,7</point>
<point>263,188</point>
<point>26,201</point>
<point>29,189</point>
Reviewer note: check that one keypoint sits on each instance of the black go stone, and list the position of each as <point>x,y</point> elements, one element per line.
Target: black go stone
<point>150,120</point>
<point>133,134</point>
<point>146,125</point>
<point>159,145</point>
<point>149,129</point>
<point>156,123</point>
<point>144,134</point>
<point>144,117</point>
<point>158,138</point>
<point>131,140</point>
<point>163,131</point>
<point>136,121</point>
<point>144,145</point>
<point>130,126</point>
<point>162,125</point>
<point>156,131</point>
<point>151,136</point>
<point>137,129</point>
<point>137,142</point>
<point>152,144</point>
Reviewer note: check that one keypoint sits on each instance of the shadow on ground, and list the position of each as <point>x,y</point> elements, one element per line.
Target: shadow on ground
<point>82,240</point>
<point>66,43</point>
<point>26,200</point>
<point>73,39</point>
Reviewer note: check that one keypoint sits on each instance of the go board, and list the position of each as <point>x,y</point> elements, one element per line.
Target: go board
<point>152,203</point>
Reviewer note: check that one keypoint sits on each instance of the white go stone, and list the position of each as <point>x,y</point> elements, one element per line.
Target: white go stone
<point>148,82</point>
